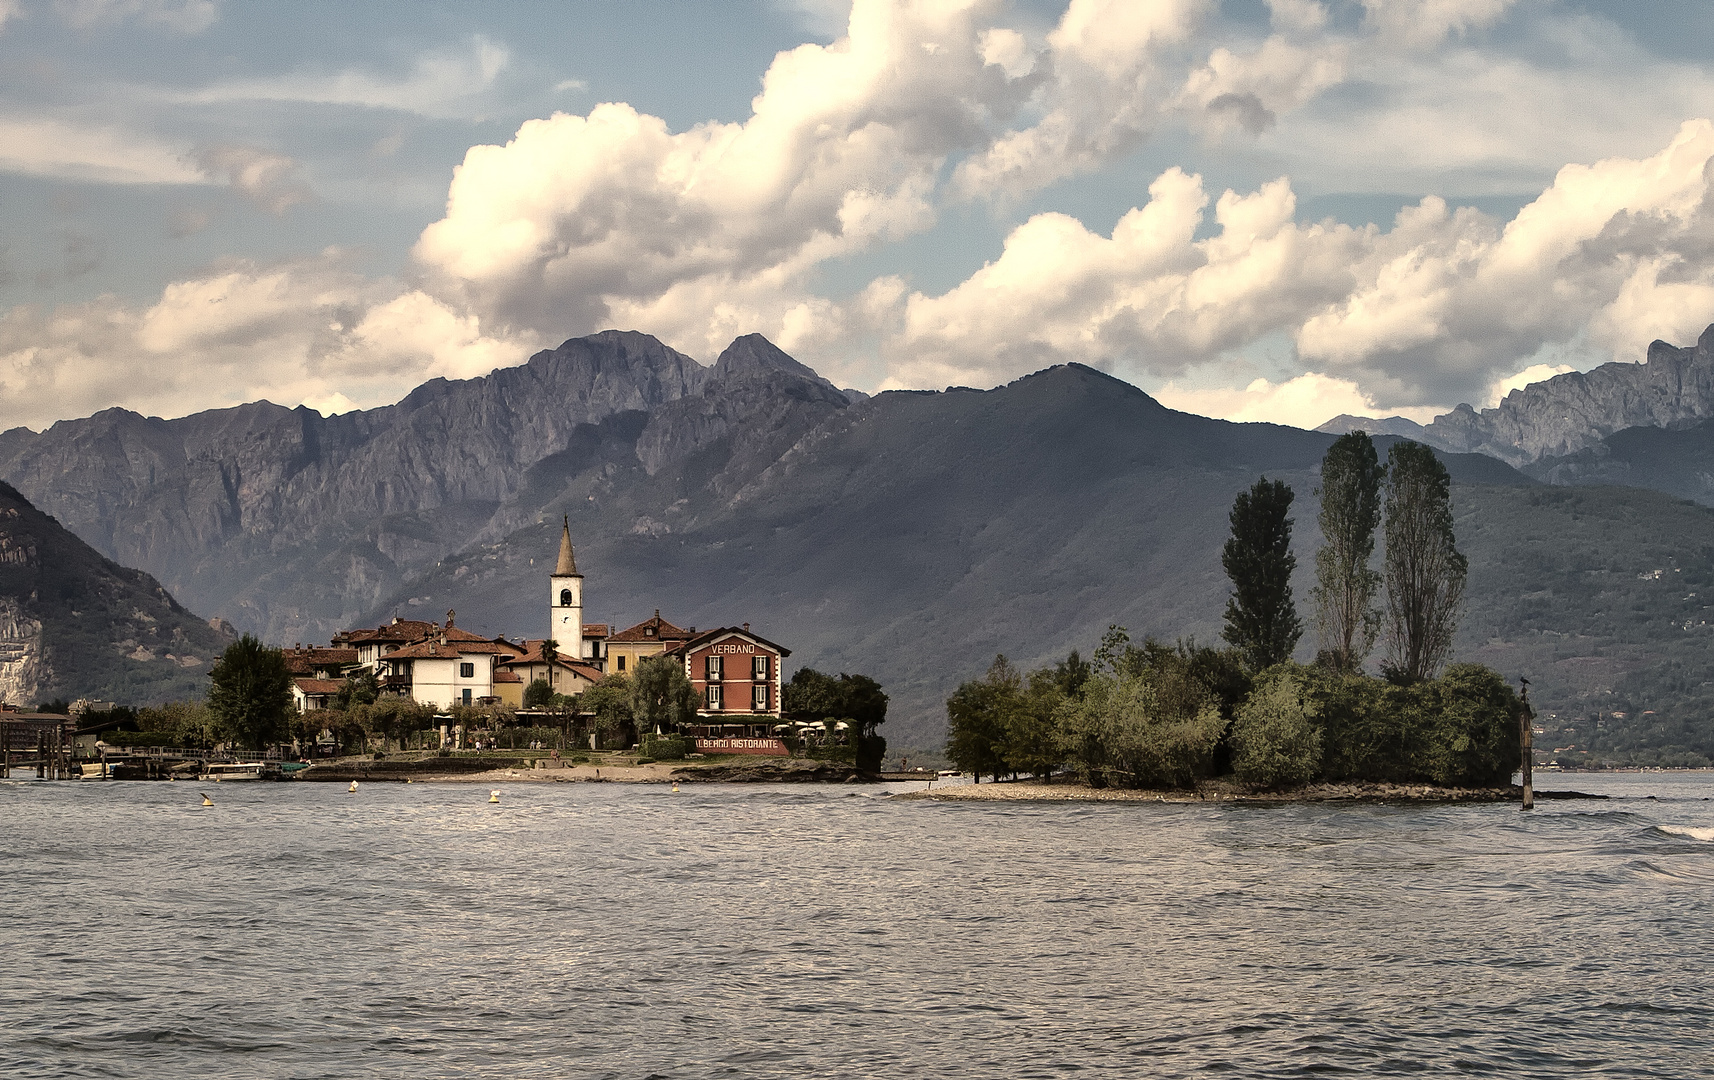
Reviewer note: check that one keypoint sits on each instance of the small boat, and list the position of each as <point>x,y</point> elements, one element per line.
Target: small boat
<point>97,770</point>
<point>240,770</point>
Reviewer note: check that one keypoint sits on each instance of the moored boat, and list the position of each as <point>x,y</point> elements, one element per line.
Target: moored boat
<point>240,770</point>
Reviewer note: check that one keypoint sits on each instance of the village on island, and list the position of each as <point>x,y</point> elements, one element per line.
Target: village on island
<point>583,690</point>
<point>734,672</point>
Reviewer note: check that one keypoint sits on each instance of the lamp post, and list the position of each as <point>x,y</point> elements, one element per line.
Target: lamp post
<point>1526,718</point>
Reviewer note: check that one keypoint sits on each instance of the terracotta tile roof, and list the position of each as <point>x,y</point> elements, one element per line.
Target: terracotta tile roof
<point>534,656</point>
<point>479,645</point>
<point>305,661</point>
<point>593,674</point>
<point>594,629</point>
<point>663,631</point>
<point>317,687</point>
<point>405,630</point>
<point>432,650</point>
<point>508,676</point>
<point>458,633</point>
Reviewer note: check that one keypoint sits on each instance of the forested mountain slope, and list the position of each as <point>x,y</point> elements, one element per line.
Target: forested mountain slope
<point>74,624</point>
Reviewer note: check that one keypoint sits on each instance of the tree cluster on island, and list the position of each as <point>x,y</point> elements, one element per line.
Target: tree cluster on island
<point>1167,716</point>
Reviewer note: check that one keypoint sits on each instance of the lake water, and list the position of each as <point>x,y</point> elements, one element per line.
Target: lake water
<point>585,930</point>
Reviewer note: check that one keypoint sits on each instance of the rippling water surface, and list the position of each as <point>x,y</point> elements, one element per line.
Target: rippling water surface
<point>298,930</point>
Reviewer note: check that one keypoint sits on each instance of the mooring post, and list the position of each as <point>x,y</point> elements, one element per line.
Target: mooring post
<point>1526,718</point>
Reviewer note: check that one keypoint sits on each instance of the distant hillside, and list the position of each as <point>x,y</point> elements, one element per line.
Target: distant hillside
<point>74,624</point>
<point>1678,462</point>
<point>1604,598</point>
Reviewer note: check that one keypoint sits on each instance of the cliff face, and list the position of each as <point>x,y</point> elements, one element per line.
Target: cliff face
<point>292,523</point>
<point>1565,414</point>
<point>73,624</point>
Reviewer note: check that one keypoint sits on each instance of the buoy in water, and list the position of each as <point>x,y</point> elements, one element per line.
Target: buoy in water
<point>675,785</point>
<point>353,786</point>
<point>494,796</point>
<point>206,801</point>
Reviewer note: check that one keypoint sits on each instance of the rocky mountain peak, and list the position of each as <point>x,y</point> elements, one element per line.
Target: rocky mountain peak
<point>755,357</point>
<point>1345,423</point>
<point>1562,415</point>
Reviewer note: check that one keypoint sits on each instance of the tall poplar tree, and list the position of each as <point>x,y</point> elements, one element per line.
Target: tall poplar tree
<point>1425,572</point>
<point>1346,618</point>
<point>1261,620</point>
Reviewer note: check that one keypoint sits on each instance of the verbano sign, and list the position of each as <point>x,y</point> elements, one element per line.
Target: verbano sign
<point>733,647</point>
<point>742,746</point>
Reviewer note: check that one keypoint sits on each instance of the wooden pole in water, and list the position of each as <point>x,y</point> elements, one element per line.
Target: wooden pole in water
<point>1526,718</point>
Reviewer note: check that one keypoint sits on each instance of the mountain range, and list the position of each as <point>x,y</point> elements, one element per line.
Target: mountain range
<point>1573,412</point>
<point>909,535</point>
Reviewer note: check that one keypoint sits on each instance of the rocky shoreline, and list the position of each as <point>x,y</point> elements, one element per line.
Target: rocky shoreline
<point>1227,792</point>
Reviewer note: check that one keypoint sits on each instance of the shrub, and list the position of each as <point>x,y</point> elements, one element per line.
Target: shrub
<point>645,761</point>
<point>1275,742</point>
<point>1370,731</point>
<point>1121,734</point>
<point>1472,737</point>
<point>666,747</point>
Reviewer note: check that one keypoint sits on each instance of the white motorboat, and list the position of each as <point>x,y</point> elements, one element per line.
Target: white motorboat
<point>220,772</point>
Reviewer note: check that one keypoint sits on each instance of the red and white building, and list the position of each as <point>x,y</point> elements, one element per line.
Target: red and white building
<point>736,675</point>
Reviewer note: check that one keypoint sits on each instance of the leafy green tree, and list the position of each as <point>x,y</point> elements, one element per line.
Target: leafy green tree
<point>180,723</point>
<point>978,717</point>
<point>1261,620</point>
<point>360,688</point>
<point>1346,618</point>
<point>538,695</point>
<point>662,698</point>
<point>305,728</point>
<point>1116,656</point>
<point>395,718</point>
<point>1275,740</point>
<point>350,727</point>
<point>1070,674</point>
<point>250,693</point>
<point>1424,570</point>
<point>811,696</point>
<point>814,697</point>
<point>1031,741</point>
<point>1473,741</point>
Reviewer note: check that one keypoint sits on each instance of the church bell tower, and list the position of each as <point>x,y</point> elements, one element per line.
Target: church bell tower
<point>565,600</point>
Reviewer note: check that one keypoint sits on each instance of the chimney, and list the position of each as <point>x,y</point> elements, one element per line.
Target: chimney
<point>746,628</point>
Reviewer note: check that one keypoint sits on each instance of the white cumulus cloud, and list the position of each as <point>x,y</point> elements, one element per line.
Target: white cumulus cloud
<point>1306,401</point>
<point>308,330</point>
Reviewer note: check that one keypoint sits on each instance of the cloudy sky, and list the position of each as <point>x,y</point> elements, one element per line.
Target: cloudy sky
<point>1256,209</point>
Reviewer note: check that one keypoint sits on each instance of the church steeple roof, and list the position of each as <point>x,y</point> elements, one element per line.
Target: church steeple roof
<point>567,561</point>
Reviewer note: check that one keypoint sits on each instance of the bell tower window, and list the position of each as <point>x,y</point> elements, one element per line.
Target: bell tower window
<point>565,598</point>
